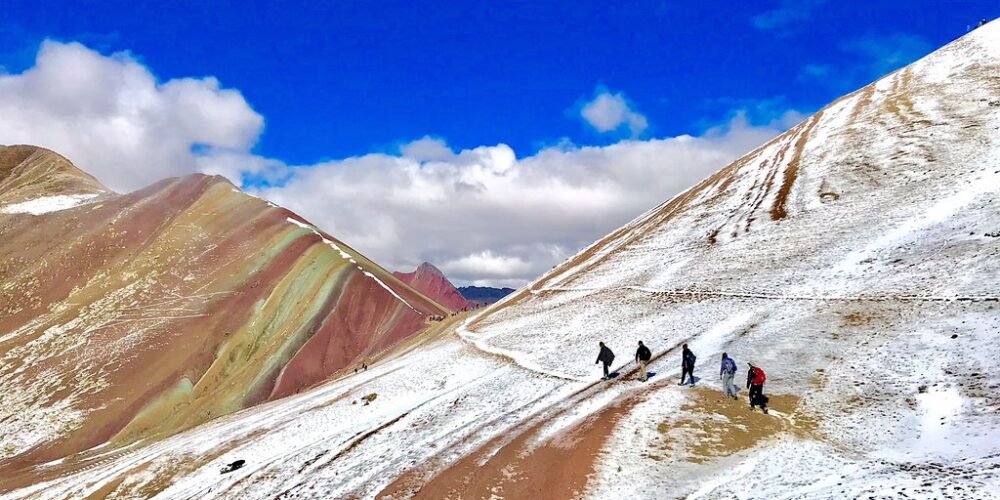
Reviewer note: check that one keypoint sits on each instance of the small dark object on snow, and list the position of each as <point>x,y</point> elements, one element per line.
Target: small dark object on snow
<point>233,466</point>
<point>954,336</point>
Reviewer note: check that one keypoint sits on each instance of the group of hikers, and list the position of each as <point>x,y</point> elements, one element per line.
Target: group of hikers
<point>727,372</point>
<point>472,308</point>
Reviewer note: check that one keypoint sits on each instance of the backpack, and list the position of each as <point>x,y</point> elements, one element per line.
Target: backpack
<point>610,358</point>
<point>689,358</point>
<point>759,377</point>
<point>729,366</point>
<point>645,354</point>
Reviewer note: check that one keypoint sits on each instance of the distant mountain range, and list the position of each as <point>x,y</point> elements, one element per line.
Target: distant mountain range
<point>484,294</point>
<point>431,282</point>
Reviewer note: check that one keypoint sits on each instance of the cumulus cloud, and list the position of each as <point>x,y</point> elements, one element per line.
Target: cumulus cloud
<point>485,216</point>
<point>112,117</point>
<point>608,112</point>
<point>427,148</point>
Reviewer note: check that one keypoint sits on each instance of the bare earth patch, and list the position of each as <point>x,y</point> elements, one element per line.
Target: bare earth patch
<point>713,426</point>
<point>554,469</point>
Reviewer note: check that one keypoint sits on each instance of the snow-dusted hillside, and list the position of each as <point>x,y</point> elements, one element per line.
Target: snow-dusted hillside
<point>128,317</point>
<point>854,258</point>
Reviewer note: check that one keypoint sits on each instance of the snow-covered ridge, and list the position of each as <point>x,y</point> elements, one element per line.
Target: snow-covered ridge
<point>47,204</point>
<point>351,259</point>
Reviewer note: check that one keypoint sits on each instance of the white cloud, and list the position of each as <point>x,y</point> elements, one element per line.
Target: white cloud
<point>487,265</point>
<point>113,119</point>
<point>790,12</point>
<point>608,112</point>
<point>428,148</point>
<point>485,216</point>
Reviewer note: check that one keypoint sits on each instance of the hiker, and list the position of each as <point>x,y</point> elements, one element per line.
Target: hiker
<point>982,22</point>
<point>728,372</point>
<point>687,364</point>
<point>642,357</point>
<point>755,382</point>
<point>606,357</point>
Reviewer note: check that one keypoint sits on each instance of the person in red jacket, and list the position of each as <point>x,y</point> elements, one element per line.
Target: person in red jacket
<point>755,382</point>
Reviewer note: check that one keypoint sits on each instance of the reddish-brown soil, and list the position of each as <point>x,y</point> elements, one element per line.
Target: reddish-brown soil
<point>431,282</point>
<point>555,469</point>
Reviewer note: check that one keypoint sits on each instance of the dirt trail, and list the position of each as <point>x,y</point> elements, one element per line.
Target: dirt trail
<point>700,294</point>
<point>523,468</point>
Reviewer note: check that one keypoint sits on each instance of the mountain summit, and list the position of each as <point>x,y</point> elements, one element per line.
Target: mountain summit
<point>433,283</point>
<point>39,175</point>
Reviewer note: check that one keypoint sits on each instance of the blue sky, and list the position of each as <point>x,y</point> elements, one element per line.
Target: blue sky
<point>336,79</point>
<point>491,141</point>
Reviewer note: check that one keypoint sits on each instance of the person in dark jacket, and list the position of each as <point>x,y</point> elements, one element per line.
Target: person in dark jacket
<point>687,365</point>
<point>642,357</point>
<point>755,382</point>
<point>606,357</point>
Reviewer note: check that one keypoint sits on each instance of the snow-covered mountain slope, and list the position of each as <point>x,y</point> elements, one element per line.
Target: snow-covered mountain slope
<point>887,194</point>
<point>134,316</point>
<point>852,258</point>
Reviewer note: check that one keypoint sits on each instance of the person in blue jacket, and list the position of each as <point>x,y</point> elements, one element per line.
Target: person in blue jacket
<point>728,373</point>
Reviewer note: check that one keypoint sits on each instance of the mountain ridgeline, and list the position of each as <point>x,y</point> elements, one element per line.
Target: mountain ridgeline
<point>128,316</point>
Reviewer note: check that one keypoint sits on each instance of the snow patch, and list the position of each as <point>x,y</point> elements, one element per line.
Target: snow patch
<point>47,204</point>
<point>390,290</point>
